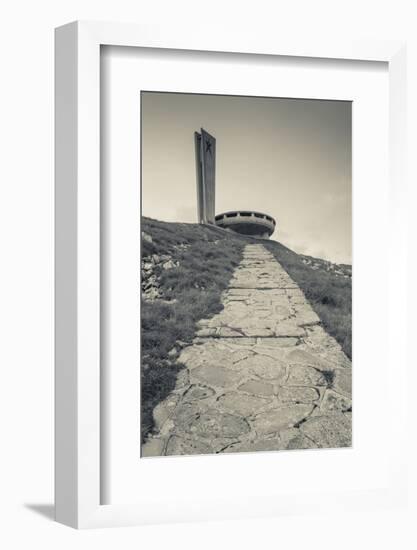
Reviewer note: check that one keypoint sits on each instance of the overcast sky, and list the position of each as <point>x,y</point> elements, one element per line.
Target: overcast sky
<point>289,158</point>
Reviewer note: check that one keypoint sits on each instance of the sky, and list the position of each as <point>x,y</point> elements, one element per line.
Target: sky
<point>289,158</point>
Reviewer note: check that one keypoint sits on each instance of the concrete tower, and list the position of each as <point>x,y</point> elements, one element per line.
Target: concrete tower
<point>205,151</point>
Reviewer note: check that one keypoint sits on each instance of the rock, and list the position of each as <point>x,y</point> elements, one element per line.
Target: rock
<point>300,356</point>
<point>293,438</point>
<point>305,376</point>
<point>186,446</point>
<point>168,265</point>
<point>196,392</point>
<point>276,420</point>
<point>152,294</point>
<point>205,332</point>
<point>181,344</point>
<point>173,352</point>
<point>225,332</point>
<point>238,292</point>
<point>185,411</point>
<point>147,286</point>
<point>273,352</point>
<point>256,332</point>
<point>287,328</point>
<point>298,395</point>
<point>257,387</point>
<point>146,237</point>
<point>244,405</point>
<point>160,415</point>
<point>282,311</point>
<point>329,431</point>
<point>183,379</point>
<point>220,444</point>
<point>207,352</point>
<point>342,382</point>
<point>258,445</point>
<point>213,424</point>
<point>241,342</point>
<point>333,401</point>
<point>164,410</point>
<point>153,447</point>
<point>264,367</point>
<point>272,343</point>
<point>239,354</point>
<point>306,317</point>
<point>155,258</point>
<point>216,376</point>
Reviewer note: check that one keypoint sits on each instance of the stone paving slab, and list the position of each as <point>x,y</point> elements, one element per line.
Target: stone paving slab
<point>261,375</point>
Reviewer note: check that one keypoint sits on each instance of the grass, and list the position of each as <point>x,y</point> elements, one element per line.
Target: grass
<point>329,294</point>
<point>207,258</point>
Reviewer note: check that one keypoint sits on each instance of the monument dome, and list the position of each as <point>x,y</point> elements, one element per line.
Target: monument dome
<point>247,222</point>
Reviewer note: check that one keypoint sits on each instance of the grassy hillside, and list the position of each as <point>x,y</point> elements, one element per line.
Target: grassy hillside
<point>185,268</point>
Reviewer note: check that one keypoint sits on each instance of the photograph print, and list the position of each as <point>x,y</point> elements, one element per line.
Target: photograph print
<point>246,274</point>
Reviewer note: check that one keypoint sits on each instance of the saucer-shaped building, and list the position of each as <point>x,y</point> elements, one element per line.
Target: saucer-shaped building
<point>247,222</point>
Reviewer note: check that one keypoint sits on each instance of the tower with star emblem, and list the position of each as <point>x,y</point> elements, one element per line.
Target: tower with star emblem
<point>205,151</point>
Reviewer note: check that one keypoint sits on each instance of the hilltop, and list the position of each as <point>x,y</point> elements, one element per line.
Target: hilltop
<point>185,268</point>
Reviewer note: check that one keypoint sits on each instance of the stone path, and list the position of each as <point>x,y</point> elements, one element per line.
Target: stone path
<point>261,375</point>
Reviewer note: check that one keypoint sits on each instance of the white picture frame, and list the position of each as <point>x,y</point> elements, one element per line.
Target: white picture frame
<point>77,241</point>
